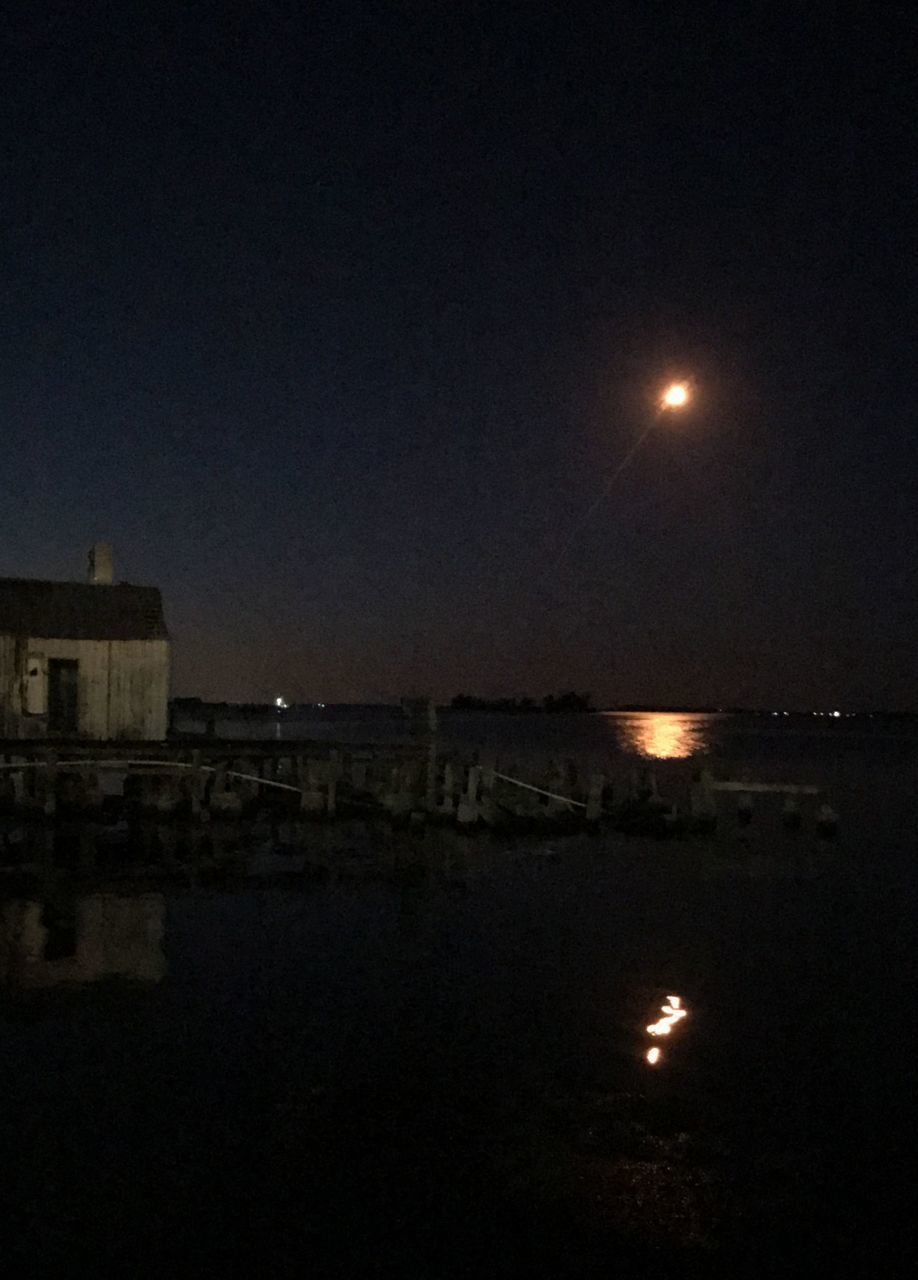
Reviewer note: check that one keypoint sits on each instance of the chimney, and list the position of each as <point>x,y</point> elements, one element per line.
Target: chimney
<point>100,564</point>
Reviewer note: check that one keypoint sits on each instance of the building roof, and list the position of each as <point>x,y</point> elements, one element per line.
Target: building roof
<point>80,611</point>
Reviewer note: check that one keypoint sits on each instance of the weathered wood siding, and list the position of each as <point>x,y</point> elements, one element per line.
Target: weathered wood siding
<point>9,688</point>
<point>139,689</point>
<point>123,686</point>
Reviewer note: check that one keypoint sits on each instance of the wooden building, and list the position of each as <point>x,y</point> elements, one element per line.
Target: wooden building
<point>83,660</point>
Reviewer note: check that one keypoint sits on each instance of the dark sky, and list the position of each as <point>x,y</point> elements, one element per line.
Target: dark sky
<point>334,317</point>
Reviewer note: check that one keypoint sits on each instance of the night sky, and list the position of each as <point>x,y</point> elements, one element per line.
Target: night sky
<point>335,317</point>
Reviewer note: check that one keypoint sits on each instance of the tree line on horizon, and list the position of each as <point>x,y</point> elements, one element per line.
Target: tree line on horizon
<point>569,701</point>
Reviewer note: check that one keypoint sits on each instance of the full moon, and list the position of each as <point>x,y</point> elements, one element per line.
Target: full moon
<point>675,396</point>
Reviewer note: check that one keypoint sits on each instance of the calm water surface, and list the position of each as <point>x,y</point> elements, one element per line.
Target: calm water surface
<point>868,767</point>
<point>366,1054</point>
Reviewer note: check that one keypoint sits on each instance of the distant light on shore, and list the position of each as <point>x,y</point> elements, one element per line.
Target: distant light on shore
<point>654,1055</point>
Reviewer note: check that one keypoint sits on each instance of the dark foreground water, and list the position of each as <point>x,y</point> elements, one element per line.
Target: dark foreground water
<point>377,1055</point>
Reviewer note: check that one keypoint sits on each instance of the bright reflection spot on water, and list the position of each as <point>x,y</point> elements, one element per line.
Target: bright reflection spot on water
<point>673,1013</point>
<point>664,735</point>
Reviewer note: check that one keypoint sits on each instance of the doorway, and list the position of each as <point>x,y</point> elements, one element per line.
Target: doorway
<point>63,700</point>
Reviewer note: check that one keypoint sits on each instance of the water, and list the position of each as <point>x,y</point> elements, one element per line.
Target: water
<point>427,1056</point>
<point>867,767</point>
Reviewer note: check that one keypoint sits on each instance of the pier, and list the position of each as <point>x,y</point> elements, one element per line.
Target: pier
<point>412,783</point>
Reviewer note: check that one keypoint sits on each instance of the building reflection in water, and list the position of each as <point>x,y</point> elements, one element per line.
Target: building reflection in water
<point>100,935</point>
<point>664,735</point>
<point>66,923</point>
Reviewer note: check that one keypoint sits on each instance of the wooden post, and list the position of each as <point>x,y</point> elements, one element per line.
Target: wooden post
<point>391,792</point>
<point>50,785</point>
<point>7,785</point>
<point>20,788</point>
<point>487,809</point>
<point>430,794</point>
<point>594,797</point>
<point>311,798</point>
<point>222,801</point>
<point>168,794</point>
<point>557,784</point>
<point>92,790</point>
<point>448,806</point>
<point>302,781</point>
<point>827,822</point>
<point>332,806</point>
<point>197,786</point>
<point>405,796</point>
<point>335,772</point>
<point>468,805</point>
<point>570,777</point>
<point>518,801</point>
<point>247,791</point>
<point>702,802</point>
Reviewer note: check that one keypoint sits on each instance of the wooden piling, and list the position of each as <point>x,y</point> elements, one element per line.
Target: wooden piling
<point>223,801</point>
<point>468,805</point>
<point>198,784</point>
<point>702,802</point>
<point>49,785</point>
<point>91,798</point>
<point>594,797</point>
<point>430,789</point>
<point>331,807</point>
<point>557,784</point>
<point>487,807</point>
<point>448,803</point>
<point>8,796</point>
<point>311,799</point>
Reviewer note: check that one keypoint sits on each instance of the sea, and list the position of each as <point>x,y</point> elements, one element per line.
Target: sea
<point>358,1051</point>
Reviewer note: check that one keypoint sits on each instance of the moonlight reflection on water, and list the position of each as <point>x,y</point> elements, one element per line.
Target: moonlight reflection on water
<point>673,1012</point>
<point>664,735</point>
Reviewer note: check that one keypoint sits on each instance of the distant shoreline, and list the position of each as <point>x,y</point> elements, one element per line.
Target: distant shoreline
<point>199,707</point>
